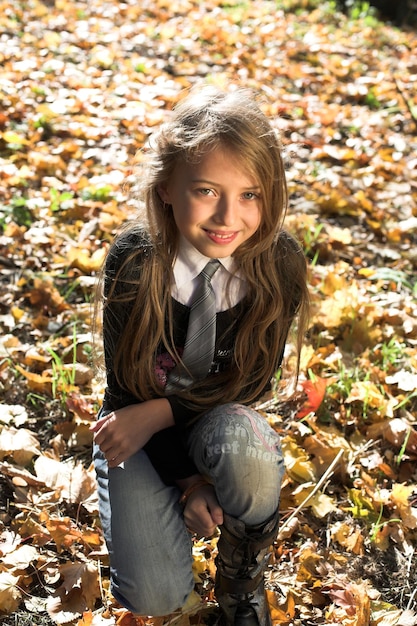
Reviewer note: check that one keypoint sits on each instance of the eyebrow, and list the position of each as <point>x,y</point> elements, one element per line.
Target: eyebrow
<point>211,182</point>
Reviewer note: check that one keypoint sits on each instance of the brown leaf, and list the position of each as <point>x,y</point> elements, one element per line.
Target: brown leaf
<point>62,530</point>
<point>70,480</point>
<point>401,496</point>
<point>10,594</point>
<point>78,592</point>
<point>20,444</point>
<point>281,613</point>
<point>21,558</point>
<point>397,431</point>
<point>352,601</point>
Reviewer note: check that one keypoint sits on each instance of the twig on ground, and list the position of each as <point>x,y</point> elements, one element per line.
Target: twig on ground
<point>322,480</point>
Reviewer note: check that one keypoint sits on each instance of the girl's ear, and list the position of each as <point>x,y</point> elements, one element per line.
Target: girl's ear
<point>163,192</point>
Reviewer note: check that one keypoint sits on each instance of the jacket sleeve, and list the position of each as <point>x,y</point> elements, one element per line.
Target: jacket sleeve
<point>166,449</point>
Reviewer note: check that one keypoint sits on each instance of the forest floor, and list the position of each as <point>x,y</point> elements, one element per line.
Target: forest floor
<point>83,84</point>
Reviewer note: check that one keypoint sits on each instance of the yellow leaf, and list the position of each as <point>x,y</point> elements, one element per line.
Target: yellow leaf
<point>308,569</point>
<point>348,537</point>
<point>102,57</point>
<point>62,531</point>
<point>36,382</point>
<point>11,137</point>
<point>297,462</point>
<point>281,613</point>
<point>400,496</point>
<point>368,392</point>
<point>86,262</point>
<point>339,235</point>
<point>322,504</point>
<point>17,313</point>
<point>341,306</point>
<point>10,596</point>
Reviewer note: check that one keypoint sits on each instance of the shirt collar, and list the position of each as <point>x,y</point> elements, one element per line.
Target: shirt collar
<point>190,262</point>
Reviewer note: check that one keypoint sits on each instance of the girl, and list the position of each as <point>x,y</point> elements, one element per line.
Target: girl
<point>177,449</point>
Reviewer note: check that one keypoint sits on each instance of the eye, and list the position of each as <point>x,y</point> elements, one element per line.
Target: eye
<point>205,191</point>
<point>250,195</point>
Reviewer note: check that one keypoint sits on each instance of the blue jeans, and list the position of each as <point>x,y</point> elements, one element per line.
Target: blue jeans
<point>150,549</point>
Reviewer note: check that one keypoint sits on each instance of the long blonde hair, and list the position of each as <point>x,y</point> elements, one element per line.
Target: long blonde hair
<point>271,261</point>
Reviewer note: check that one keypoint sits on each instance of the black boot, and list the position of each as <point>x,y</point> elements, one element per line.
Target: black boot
<point>241,562</point>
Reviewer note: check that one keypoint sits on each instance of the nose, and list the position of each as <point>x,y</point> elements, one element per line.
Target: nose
<point>226,211</point>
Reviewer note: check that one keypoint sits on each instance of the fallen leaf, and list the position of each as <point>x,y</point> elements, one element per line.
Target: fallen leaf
<point>21,558</point>
<point>15,413</point>
<point>315,391</point>
<point>10,594</point>
<point>281,613</point>
<point>19,444</point>
<point>70,480</point>
<point>401,496</point>
<point>297,462</point>
<point>406,381</point>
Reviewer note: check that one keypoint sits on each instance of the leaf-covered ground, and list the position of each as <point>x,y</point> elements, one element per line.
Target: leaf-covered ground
<point>82,86</point>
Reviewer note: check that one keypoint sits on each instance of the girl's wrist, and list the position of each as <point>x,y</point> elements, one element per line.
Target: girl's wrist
<point>192,487</point>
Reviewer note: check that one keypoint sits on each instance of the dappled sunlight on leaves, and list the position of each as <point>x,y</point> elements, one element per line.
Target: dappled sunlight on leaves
<point>83,86</point>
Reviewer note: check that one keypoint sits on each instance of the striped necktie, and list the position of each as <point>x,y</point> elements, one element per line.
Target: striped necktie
<point>201,334</point>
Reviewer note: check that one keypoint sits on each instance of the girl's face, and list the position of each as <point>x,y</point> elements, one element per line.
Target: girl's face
<point>215,203</point>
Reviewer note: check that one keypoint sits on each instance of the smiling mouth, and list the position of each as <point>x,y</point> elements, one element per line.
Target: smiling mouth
<point>223,236</point>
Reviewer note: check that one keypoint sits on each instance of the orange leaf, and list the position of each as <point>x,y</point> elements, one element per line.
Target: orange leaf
<point>86,620</point>
<point>281,613</point>
<point>36,382</point>
<point>63,532</point>
<point>315,391</point>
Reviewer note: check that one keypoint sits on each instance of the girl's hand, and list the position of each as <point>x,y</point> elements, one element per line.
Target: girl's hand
<point>202,512</point>
<point>125,431</point>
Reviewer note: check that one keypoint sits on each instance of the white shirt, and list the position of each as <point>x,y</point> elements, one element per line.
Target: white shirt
<point>188,265</point>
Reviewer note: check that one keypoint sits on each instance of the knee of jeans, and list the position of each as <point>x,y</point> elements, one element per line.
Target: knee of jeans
<point>162,599</point>
<point>257,468</point>
<point>237,434</point>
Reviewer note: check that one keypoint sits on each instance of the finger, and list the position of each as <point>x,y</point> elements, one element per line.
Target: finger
<point>201,531</point>
<point>115,462</point>
<point>201,523</point>
<point>206,531</point>
<point>215,509</point>
<point>114,457</point>
<point>217,515</point>
<point>100,422</point>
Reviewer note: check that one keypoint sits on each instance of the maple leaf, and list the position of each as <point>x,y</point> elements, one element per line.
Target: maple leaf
<point>21,558</point>
<point>10,594</point>
<point>78,592</point>
<point>401,496</point>
<point>281,613</point>
<point>71,481</point>
<point>21,444</point>
<point>70,126</point>
<point>297,462</point>
<point>315,391</point>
